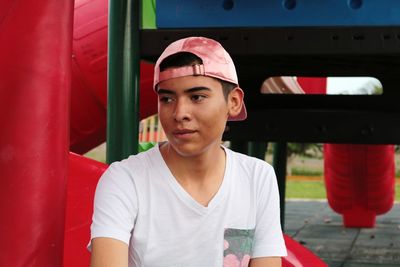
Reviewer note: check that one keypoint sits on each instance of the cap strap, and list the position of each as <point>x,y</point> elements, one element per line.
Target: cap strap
<point>194,70</point>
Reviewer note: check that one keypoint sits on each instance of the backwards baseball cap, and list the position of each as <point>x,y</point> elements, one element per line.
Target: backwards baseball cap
<point>217,63</point>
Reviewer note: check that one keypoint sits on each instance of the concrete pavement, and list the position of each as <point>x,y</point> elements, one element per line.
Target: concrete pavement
<point>316,226</point>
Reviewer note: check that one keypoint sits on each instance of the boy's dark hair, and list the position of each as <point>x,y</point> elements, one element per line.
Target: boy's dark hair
<point>187,59</point>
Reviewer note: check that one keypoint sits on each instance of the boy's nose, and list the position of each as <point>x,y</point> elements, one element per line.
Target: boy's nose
<point>182,111</point>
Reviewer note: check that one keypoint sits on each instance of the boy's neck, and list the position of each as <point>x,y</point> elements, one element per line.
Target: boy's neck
<point>200,175</point>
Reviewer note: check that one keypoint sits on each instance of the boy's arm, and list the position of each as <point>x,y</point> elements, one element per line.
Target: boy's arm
<point>108,252</point>
<point>266,262</point>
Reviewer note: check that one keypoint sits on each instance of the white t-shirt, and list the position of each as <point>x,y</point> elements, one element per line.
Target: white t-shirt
<point>139,202</point>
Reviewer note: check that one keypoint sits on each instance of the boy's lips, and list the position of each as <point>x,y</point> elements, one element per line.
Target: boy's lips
<point>183,132</point>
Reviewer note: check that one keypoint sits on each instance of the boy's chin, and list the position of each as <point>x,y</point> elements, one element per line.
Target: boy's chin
<point>187,150</point>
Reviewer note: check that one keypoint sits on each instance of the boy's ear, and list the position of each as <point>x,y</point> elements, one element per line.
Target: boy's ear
<point>235,101</point>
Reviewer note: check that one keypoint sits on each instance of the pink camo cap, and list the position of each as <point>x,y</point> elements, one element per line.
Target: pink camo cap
<point>217,63</point>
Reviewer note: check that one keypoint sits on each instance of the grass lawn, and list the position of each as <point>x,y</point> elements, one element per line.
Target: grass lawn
<point>305,189</point>
<point>314,189</point>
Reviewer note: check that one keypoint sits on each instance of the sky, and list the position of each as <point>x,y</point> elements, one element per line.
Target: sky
<point>351,85</point>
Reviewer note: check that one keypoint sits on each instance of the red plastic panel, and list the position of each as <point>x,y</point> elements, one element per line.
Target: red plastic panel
<point>313,85</point>
<point>89,77</point>
<point>35,68</point>
<point>84,174</point>
<point>360,181</point>
<point>299,256</point>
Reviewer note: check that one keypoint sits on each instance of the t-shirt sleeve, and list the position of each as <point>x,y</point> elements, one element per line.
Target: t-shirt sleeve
<point>268,237</point>
<point>115,205</point>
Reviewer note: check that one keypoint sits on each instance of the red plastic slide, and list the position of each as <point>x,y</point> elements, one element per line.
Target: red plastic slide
<point>89,77</point>
<point>84,174</point>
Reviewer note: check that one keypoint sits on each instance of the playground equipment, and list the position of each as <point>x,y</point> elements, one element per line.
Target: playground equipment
<point>89,77</point>
<point>83,176</point>
<point>359,179</point>
<point>35,69</point>
<point>284,13</point>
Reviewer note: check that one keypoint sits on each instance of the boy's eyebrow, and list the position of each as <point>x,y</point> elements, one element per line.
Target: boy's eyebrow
<point>196,89</point>
<point>165,91</point>
<point>190,90</point>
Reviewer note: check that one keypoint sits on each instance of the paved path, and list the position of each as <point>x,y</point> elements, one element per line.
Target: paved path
<point>320,229</point>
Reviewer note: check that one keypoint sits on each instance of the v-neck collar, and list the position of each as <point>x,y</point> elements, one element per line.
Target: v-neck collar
<point>185,196</point>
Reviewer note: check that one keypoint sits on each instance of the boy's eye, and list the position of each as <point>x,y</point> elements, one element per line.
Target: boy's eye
<point>165,99</point>
<point>197,97</point>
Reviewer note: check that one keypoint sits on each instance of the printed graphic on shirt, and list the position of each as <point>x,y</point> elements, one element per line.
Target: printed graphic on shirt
<point>237,247</point>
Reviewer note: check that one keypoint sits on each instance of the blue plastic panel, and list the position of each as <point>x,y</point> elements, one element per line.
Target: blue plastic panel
<point>276,13</point>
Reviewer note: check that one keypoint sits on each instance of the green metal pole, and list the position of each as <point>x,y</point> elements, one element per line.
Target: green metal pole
<point>254,149</point>
<point>239,146</point>
<point>279,163</point>
<point>123,79</point>
<point>135,62</point>
<point>257,149</point>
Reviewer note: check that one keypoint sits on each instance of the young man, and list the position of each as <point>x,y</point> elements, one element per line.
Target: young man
<point>190,202</point>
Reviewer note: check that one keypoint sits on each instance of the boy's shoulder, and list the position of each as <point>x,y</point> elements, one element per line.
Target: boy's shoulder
<point>250,167</point>
<point>139,163</point>
<point>247,160</point>
<point>256,173</point>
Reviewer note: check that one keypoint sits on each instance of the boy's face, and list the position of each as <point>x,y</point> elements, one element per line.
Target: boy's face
<point>193,112</point>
